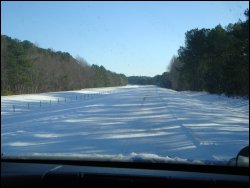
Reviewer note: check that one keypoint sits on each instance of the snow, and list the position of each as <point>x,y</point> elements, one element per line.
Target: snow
<point>126,123</point>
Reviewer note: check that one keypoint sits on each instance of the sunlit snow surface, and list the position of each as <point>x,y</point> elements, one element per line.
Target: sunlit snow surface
<point>126,123</point>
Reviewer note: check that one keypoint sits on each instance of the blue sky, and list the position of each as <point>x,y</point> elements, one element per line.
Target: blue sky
<point>134,38</point>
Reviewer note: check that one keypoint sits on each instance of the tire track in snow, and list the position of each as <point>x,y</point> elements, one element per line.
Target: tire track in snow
<point>186,131</point>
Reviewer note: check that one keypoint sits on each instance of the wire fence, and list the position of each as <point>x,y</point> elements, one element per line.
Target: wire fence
<point>42,104</point>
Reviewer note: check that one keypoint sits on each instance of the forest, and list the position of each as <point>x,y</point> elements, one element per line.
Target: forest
<point>214,60</point>
<point>26,68</point>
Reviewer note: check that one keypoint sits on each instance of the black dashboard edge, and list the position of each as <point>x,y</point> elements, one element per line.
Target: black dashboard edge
<point>219,169</point>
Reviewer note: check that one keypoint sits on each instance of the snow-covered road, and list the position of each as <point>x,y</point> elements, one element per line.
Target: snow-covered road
<point>144,121</point>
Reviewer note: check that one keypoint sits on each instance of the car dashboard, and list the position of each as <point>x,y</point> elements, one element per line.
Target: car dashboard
<point>59,173</point>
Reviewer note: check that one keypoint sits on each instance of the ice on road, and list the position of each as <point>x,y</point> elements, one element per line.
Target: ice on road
<point>146,121</point>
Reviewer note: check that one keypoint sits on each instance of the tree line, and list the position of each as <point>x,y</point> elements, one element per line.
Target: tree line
<point>159,80</point>
<point>214,60</point>
<point>26,68</point>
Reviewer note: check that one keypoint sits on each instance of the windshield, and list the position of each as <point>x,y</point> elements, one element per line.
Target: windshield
<point>127,81</point>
